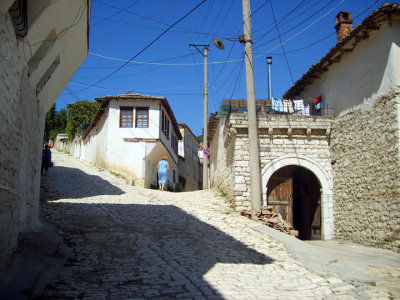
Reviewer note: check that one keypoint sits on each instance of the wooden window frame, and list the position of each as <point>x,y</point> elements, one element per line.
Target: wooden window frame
<point>141,118</point>
<point>165,124</point>
<point>121,108</point>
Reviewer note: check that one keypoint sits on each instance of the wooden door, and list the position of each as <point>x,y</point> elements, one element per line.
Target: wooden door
<point>280,193</point>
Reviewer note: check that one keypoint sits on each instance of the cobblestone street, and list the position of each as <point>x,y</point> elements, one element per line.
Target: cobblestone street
<point>134,243</point>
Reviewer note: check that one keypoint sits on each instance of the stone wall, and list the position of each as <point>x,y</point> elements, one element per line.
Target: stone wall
<point>62,145</point>
<point>21,123</point>
<point>279,136</point>
<point>221,164</point>
<point>365,146</point>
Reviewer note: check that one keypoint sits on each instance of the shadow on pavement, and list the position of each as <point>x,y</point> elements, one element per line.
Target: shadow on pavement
<point>72,183</point>
<point>141,251</point>
<point>132,250</point>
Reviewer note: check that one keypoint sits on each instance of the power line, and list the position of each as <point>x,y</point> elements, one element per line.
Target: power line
<point>298,24</point>
<point>116,13</point>
<point>123,32</point>
<point>145,48</point>
<point>329,35</point>
<point>177,29</point>
<point>280,40</point>
<point>281,20</point>
<point>301,31</point>
<point>165,64</point>
<point>63,31</point>
<point>154,62</point>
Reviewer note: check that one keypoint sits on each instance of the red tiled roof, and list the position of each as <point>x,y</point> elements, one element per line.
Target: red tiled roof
<point>371,23</point>
<point>105,101</point>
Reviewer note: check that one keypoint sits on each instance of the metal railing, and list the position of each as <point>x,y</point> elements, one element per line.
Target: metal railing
<point>281,107</point>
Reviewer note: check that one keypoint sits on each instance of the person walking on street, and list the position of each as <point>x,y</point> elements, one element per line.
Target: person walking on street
<point>46,159</point>
<point>163,169</point>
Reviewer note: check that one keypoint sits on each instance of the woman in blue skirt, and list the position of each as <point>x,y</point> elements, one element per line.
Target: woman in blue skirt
<point>162,167</point>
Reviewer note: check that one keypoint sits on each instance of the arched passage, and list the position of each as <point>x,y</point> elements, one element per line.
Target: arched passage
<point>310,193</point>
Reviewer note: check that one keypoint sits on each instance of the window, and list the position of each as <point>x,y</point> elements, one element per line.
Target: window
<point>194,150</point>
<point>126,117</point>
<point>164,124</point>
<point>142,117</point>
<point>174,143</point>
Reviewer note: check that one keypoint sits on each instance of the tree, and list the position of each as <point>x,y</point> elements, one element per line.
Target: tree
<point>79,116</point>
<point>55,123</point>
<point>48,125</point>
<point>200,138</point>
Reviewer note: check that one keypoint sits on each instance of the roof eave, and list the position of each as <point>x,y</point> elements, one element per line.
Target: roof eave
<point>371,23</point>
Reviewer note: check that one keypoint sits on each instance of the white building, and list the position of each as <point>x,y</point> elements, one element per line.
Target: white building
<point>43,42</point>
<point>189,165</point>
<point>360,67</point>
<point>128,135</point>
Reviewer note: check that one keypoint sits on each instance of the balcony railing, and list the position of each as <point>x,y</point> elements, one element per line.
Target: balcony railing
<point>276,106</point>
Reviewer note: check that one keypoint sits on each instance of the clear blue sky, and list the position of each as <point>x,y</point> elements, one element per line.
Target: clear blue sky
<point>122,29</point>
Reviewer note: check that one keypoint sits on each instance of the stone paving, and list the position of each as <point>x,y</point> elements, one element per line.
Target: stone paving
<point>134,243</point>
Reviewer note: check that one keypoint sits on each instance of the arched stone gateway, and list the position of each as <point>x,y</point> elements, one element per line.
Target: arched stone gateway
<point>289,166</point>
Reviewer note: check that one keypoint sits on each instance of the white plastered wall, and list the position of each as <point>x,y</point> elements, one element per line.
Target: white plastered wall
<point>361,74</point>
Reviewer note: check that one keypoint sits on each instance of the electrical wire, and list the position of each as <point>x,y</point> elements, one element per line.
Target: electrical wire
<point>301,31</point>
<point>162,64</point>
<point>145,48</point>
<point>151,62</point>
<point>280,20</point>
<point>123,32</point>
<point>176,29</point>
<point>272,25</point>
<point>298,24</point>
<point>280,40</point>
<point>63,31</point>
<point>330,34</point>
<point>116,13</point>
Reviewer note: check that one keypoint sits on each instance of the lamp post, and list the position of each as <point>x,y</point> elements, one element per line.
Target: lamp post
<point>205,118</point>
<point>269,63</point>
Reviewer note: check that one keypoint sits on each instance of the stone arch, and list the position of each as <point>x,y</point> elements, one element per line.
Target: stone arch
<point>322,175</point>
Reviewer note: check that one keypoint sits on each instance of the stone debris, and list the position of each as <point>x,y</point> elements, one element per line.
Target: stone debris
<point>271,218</point>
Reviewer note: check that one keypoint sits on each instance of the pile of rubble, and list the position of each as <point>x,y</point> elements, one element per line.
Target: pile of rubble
<point>269,217</point>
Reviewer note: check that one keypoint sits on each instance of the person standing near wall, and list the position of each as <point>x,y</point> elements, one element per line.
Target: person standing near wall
<point>46,159</point>
<point>163,169</point>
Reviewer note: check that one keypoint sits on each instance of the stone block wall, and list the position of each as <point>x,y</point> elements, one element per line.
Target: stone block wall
<point>21,123</point>
<point>365,146</point>
<point>279,136</point>
<point>221,164</point>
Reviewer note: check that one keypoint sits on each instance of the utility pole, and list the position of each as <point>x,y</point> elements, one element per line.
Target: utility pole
<point>205,119</point>
<point>255,174</point>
